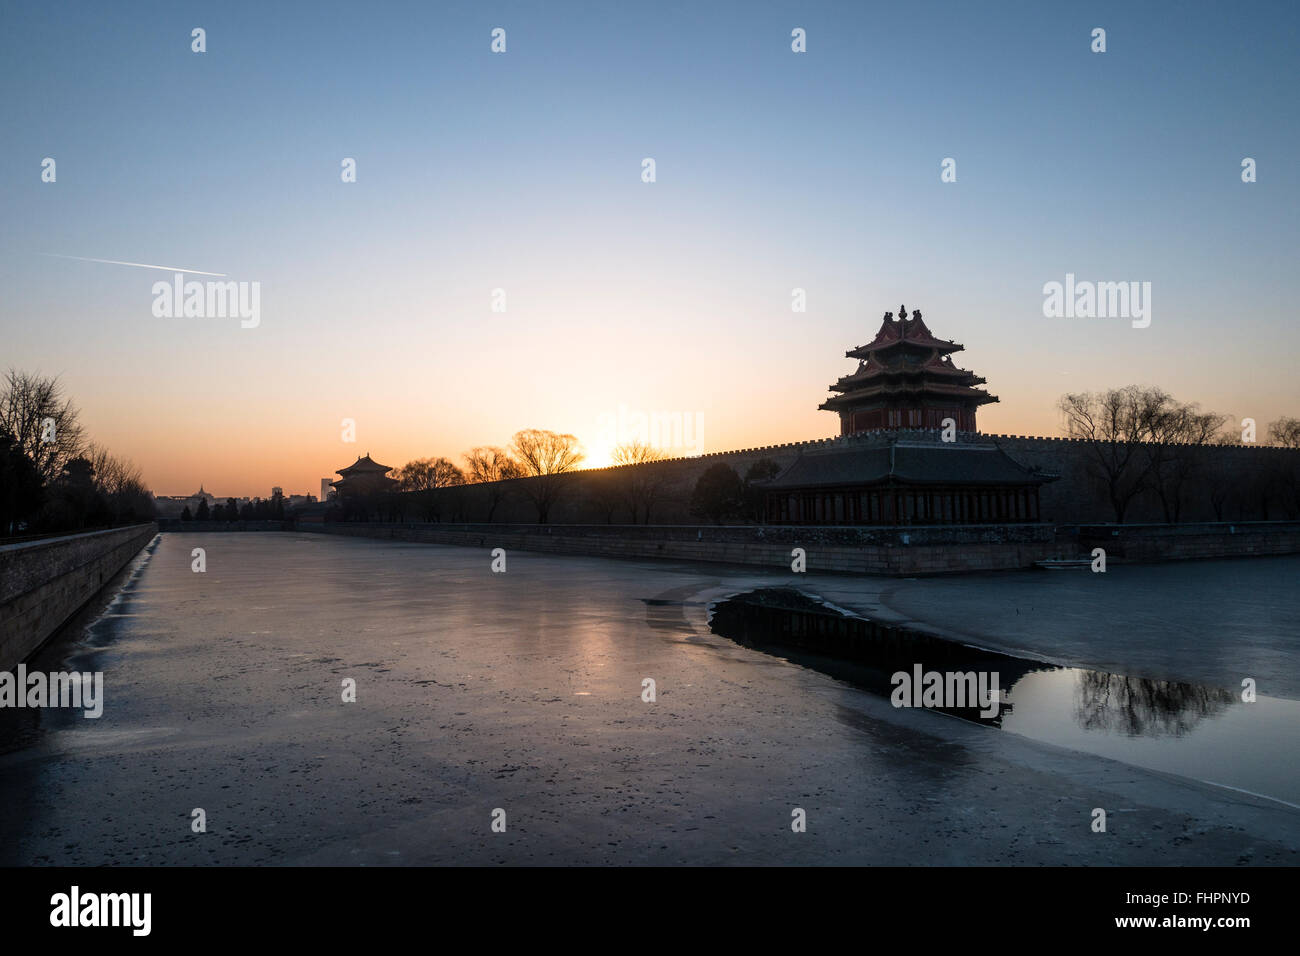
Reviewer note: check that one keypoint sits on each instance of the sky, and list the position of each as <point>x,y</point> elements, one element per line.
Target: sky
<point>522,171</point>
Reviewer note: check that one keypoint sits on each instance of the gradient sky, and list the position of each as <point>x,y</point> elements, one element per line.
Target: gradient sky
<point>522,171</point>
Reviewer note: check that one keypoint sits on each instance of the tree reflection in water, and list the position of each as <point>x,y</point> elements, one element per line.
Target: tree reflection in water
<point>799,628</point>
<point>1138,706</point>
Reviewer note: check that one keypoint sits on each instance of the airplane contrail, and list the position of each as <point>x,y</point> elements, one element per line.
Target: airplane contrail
<point>141,265</point>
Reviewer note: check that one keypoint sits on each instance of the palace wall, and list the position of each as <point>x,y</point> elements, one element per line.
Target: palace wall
<point>1224,483</point>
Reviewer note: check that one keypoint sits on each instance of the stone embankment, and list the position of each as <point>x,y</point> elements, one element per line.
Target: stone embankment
<point>43,583</point>
<point>916,550</point>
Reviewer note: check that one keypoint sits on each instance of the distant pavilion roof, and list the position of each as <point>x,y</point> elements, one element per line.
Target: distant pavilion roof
<point>364,476</point>
<point>364,466</point>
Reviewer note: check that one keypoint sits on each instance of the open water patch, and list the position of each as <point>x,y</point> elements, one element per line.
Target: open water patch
<point>1194,730</point>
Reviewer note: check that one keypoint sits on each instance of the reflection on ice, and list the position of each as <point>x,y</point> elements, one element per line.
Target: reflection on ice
<point>1116,703</point>
<point>1184,728</point>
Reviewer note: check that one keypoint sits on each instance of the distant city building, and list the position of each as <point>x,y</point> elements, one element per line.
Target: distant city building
<point>173,506</point>
<point>325,489</point>
<point>169,506</point>
<point>193,500</point>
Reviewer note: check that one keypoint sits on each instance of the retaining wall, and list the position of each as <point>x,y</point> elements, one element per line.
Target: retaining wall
<point>911,551</point>
<point>43,583</point>
<point>176,524</point>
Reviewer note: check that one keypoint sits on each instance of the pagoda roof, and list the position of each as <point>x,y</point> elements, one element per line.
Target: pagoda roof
<point>908,463</point>
<point>365,466</point>
<point>872,367</point>
<point>885,390</point>
<point>903,331</point>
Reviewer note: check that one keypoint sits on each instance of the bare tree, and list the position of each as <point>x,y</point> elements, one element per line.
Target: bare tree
<point>546,457</point>
<point>21,491</point>
<point>42,421</point>
<point>719,494</point>
<point>426,474</point>
<point>489,465</point>
<point>1288,485</point>
<point>1285,432</point>
<point>124,486</point>
<point>425,478</point>
<point>606,492</point>
<point>637,452</point>
<point>1116,423</point>
<point>1274,479</point>
<point>640,486</point>
<point>1181,432</point>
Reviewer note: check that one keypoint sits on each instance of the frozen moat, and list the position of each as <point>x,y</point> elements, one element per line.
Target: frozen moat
<point>523,692</point>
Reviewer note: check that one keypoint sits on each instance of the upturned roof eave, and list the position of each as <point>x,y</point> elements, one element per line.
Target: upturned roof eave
<point>978,396</point>
<point>879,345</point>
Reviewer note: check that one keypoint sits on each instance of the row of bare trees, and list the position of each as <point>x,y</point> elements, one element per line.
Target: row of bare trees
<point>1142,440</point>
<point>548,458</point>
<point>51,477</point>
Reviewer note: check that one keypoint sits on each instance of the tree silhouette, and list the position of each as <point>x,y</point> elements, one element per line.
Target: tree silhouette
<point>1182,432</point>
<point>424,477</point>
<point>545,457</point>
<point>26,403</point>
<point>21,491</point>
<point>489,466</point>
<point>1285,432</point>
<point>1116,423</point>
<point>719,494</point>
<point>641,487</point>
